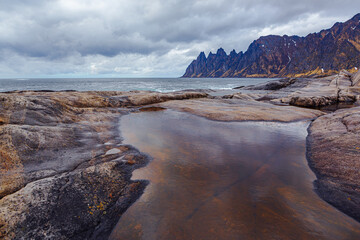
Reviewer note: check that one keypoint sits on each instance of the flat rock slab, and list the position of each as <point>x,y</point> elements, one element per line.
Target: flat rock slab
<point>310,93</point>
<point>242,110</point>
<point>334,155</point>
<point>64,173</point>
<point>324,92</point>
<point>56,180</point>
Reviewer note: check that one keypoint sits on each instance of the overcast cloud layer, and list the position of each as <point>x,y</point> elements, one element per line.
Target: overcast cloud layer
<point>142,38</point>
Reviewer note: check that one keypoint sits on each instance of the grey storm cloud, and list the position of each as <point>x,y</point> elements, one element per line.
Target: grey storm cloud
<point>148,38</point>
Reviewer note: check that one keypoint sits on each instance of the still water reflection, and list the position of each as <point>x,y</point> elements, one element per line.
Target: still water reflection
<point>218,180</point>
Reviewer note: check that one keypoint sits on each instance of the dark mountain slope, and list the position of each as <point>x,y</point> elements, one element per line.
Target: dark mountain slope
<point>322,53</point>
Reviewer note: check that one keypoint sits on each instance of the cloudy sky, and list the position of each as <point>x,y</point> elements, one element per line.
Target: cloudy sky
<point>142,38</point>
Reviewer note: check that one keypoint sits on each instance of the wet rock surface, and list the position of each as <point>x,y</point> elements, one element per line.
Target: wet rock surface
<point>273,85</point>
<point>225,180</point>
<point>324,92</point>
<point>64,171</point>
<point>334,155</point>
<point>80,204</point>
<point>242,109</point>
<point>333,142</point>
<point>305,92</point>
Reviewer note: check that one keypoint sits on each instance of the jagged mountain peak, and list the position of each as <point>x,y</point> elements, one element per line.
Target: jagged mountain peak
<point>233,53</point>
<point>321,53</point>
<point>356,17</point>
<point>221,52</point>
<point>201,56</point>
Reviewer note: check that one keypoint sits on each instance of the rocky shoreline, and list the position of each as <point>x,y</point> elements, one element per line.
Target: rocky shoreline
<point>333,152</point>
<point>65,172</point>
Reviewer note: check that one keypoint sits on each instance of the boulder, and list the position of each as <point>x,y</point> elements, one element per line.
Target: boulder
<point>333,150</point>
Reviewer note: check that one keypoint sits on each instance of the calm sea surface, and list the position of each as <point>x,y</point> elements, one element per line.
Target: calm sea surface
<point>126,84</point>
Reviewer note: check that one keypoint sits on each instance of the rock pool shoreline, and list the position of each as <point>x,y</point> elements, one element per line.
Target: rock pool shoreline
<point>65,172</point>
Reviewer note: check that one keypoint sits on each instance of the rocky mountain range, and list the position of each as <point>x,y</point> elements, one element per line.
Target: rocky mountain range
<point>317,54</point>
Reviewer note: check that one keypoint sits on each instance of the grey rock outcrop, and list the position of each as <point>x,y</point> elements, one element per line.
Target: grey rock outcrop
<point>356,79</point>
<point>334,155</point>
<point>65,173</point>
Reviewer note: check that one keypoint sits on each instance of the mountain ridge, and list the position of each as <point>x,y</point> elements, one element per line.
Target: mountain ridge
<point>317,54</point>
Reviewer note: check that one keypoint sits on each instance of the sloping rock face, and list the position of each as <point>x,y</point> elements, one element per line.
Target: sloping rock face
<point>334,155</point>
<point>334,91</point>
<point>317,54</point>
<point>64,172</point>
<point>323,92</point>
<point>84,203</point>
<point>273,85</point>
<point>356,79</point>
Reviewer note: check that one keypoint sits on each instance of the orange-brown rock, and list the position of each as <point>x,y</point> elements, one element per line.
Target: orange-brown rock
<point>334,155</point>
<point>356,79</point>
<point>242,110</point>
<point>64,173</point>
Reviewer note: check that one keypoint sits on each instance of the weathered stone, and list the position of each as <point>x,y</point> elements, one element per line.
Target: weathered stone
<point>334,155</point>
<point>273,85</point>
<point>343,79</point>
<point>242,110</point>
<point>82,204</point>
<point>64,173</point>
<point>324,92</point>
<point>238,87</point>
<point>242,96</point>
<point>356,79</point>
<point>313,102</point>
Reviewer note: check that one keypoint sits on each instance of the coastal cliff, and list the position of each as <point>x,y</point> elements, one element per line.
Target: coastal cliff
<point>317,54</point>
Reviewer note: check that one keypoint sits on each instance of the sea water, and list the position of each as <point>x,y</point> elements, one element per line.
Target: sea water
<point>126,84</point>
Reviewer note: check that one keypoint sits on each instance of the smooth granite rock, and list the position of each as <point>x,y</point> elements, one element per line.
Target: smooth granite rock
<point>273,85</point>
<point>332,90</point>
<point>333,149</point>
<point>242,110</point>
<point>355,79</point>
<point>64,172</point>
